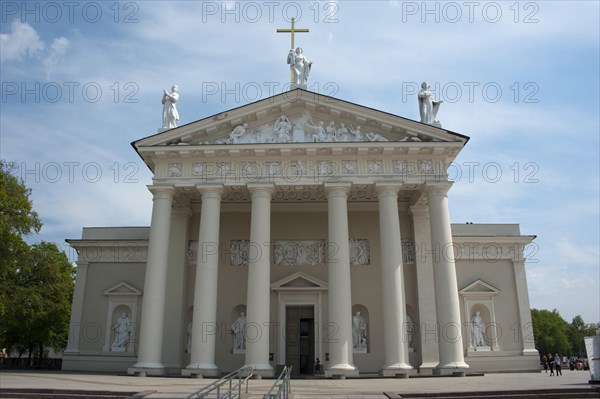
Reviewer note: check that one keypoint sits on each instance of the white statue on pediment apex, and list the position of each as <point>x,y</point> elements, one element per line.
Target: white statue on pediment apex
<point>300,67</point>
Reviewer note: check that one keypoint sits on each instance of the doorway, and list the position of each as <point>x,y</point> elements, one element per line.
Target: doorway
<point>300,339</point>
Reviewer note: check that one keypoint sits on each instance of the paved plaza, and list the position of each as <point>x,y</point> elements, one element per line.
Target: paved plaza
<point>167,387</point>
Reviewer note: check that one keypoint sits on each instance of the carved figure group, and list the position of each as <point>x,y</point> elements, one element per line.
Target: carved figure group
<point>122,329</point>
<point>170,116</point>
<point>282,130</point>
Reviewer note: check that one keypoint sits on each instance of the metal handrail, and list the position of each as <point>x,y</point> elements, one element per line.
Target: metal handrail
<point>284,389</point>
<point>229,380</point>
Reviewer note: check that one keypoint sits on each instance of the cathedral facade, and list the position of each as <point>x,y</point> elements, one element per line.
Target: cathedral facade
<point>296,228</point>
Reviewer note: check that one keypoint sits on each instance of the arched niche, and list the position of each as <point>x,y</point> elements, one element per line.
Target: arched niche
<point>478,301</point>
<point>360,329</point>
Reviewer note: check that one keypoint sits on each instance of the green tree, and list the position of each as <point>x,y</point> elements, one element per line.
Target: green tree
<point>36,282</point>
<point>551,332</point>
<point>39,308</point>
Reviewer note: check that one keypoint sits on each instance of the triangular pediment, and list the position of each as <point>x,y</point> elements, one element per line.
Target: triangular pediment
<point>299,116</point>
<point>122,288</point>
<point>479,287</point>
<point>299,281</point>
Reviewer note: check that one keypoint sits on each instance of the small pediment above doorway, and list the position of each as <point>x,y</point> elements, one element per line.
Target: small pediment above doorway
<point>122,288</point>
<point>479,288</point>
<point>299,281</point>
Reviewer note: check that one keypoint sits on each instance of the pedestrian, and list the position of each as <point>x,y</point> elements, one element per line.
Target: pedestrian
<point>551,364</point>
<point>557,365</point>
<point>545,363</point>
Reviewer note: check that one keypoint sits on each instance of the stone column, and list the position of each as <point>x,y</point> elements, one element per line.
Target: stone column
<point>153,310</point>
<point>77,307</point>
<point>392,277</point>
<point>524,308</point>
<point>204,318</point>
<point>444,275</point>
<point>340,299</point>
<point>174,311</point>
<point>259,280</point>
<point>427,328</point>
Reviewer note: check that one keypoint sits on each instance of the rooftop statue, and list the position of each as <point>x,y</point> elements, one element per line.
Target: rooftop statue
<point>300,67</point>
<point>428,107</point>
<point>170,114</point>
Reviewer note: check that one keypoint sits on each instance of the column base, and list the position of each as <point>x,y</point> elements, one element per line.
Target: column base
<point>146,371</point>
<point>400,370</point>
<point>341,371</point>
<point>427,368</point>
<point>262,370</point>
<point>200,371</point>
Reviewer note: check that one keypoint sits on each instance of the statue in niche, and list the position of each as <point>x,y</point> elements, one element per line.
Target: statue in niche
<point>478,330</point>
<point>359,333</point>
<point>300,67</point>
<point>170,115</point>
<point>428,107</point>
<point>189,337</point>
<point>282,129</point>
<point>122,329</point>
<point>410,331</point>
<point>237,133</point>
<point>239,332</point>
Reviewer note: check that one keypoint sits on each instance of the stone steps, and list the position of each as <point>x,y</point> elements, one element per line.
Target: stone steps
<point>14,393</point>
<point>575,393</point>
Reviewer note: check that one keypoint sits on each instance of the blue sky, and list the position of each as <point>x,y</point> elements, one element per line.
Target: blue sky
<point>82,80</point>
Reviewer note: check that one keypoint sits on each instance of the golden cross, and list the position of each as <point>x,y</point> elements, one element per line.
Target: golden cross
<point>292,31</point>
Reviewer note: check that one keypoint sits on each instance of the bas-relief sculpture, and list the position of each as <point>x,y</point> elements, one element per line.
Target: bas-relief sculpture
<point>300,67</point>
<point>170,116</point>
<point>359,252</point>
<point>302,129</point>
<point>299,253</point>
<point>122,328</point>
<point>359,334</point>
<point>293,252</point>
<point>428,107</point>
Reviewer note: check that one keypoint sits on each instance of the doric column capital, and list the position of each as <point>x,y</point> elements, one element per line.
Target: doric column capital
<point>339,189</point>
<point>385,189</point>
<point>437,189</point>
<point>261,190</point>
<point>210,191</point>
<point>162,192</point>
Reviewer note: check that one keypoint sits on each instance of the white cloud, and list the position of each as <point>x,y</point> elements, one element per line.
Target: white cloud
<point>22,41</point>
<point>55,54</point>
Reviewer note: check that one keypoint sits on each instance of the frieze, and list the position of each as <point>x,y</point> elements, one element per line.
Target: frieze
<point>293,170</point>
